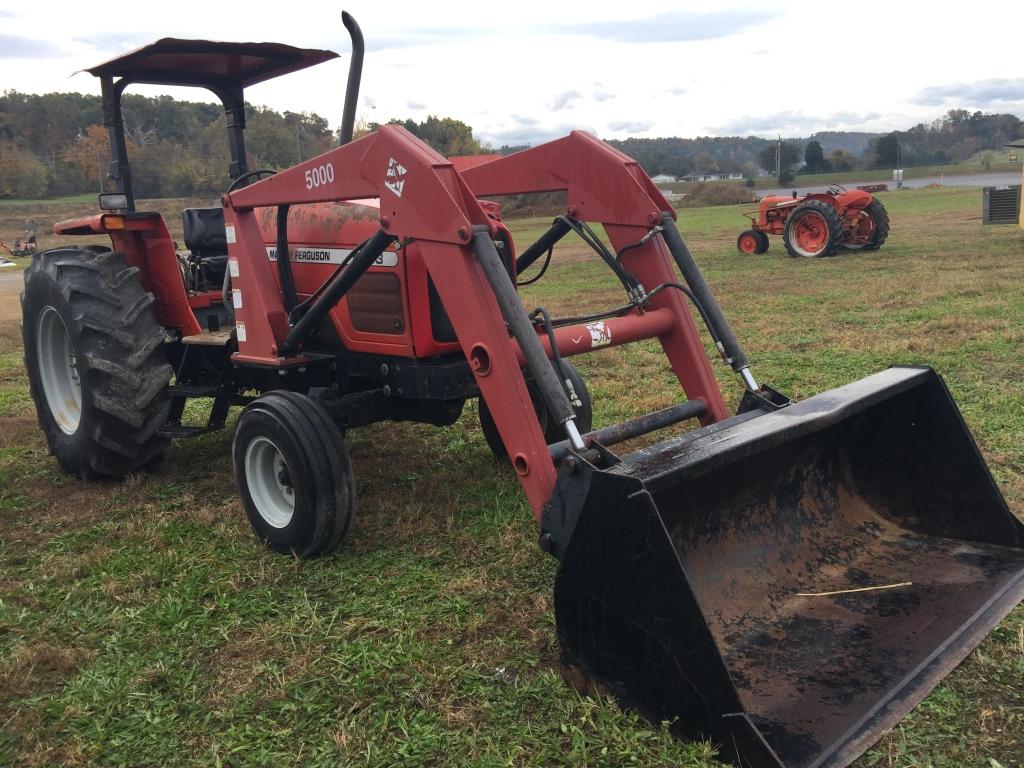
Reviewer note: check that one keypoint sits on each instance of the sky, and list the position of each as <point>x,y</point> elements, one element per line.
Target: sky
<point>525,72</point>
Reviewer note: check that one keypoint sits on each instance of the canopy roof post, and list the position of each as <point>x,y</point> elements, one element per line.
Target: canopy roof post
<point>120,168</point>
<point>234,112</point>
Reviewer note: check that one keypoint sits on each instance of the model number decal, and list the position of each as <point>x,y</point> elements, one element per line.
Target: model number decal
<point>305,255</point>
<point>317,177</point>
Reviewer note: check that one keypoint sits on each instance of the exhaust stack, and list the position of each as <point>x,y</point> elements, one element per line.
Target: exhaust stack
<point>355,74</point>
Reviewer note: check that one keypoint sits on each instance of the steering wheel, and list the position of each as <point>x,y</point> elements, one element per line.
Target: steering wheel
<point>246,176</point>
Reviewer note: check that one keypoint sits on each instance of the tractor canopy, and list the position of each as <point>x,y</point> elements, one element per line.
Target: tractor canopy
<point>172,61</point>
<point>226,69</point>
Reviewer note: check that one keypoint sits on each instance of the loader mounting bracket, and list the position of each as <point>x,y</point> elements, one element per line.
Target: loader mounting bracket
<point>766,399</point>
<point>560,515</point>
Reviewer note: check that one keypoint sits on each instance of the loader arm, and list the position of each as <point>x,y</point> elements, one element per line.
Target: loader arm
<point>422,197</point>
<point>608,187</point>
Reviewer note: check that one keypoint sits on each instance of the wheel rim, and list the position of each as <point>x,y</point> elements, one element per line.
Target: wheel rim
<point>269,481</point>
<point>748,244</point>
<point>863,232</point>
<point>58,371</point>
<point>810,234</point>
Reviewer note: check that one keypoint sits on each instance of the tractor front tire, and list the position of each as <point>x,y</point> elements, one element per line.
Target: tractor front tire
<point>752,242</point>
<point>96,365</point>
<point>814,229</point>
<point>553,431</point>
<point>293,473</point>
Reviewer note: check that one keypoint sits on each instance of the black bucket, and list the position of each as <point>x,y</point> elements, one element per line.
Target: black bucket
<point>788,584</point>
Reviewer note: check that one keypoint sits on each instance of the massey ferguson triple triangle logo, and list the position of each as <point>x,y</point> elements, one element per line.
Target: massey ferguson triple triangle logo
<point>394,179</point>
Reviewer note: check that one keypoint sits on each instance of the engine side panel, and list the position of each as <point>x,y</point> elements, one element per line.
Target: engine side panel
<point>393,309</point>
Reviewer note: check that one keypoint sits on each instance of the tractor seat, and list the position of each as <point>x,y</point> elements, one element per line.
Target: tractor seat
<point>205,237</point>
<point>204,231</point>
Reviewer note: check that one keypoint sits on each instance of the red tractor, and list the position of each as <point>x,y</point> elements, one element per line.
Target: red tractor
<point>22,247</point>
<point>818,224</point>
<point>373,283</point>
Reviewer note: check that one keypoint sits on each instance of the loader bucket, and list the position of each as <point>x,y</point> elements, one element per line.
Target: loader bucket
<point>787,584</point>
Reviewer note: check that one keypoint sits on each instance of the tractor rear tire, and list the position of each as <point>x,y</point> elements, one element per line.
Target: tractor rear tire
<point>877,212</point>
<point>752,242</point>
<point>553,431</point>
<point>814,229</point>
<point>97,370</point>
<point>293,474</point>
<point>879,228</point>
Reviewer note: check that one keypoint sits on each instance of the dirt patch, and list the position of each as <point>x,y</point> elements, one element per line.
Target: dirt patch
<point>11,283</point>
<point>54,504</point>
<point>18,430</point>
<point>230,667</point>
<point>39,667</point>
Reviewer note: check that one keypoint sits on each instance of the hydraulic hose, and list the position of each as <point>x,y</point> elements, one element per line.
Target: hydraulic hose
<point>729,345</point>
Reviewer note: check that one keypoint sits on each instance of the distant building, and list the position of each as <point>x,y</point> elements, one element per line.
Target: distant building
<point>664,178</point>
<point>712,176</point>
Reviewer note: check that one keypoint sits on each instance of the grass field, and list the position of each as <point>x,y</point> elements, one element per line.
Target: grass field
<point>142,624</point>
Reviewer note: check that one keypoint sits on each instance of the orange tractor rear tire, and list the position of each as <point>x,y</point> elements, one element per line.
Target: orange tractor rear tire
<point>877,220</point>
<point>814,229</point>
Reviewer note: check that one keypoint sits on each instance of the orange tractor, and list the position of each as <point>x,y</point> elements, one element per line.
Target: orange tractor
<point>818,224</point>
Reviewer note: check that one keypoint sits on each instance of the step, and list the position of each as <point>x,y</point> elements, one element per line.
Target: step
<point>178,431</point>
<point>209,338</point>
<point>192,390</point>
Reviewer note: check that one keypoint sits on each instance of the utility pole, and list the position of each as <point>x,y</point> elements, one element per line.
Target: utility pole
<point>778,158</point>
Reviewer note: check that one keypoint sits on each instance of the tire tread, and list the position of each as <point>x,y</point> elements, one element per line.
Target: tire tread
<point>832,218</point>
<point>124,381</point>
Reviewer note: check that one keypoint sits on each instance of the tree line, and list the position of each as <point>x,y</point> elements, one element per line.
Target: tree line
<point>55,144</point>
<point>953,138</point>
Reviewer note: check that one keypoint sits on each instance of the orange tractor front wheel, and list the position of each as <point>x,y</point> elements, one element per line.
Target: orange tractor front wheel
<point>752,242</point>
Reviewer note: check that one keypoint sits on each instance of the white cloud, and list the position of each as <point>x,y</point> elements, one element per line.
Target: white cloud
<point>990,93</point>
<point>564,100</point>
<point>630,127</point>
<point>680,67</point>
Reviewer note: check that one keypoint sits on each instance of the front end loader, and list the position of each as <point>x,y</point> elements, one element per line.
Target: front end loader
<point>788,581</point>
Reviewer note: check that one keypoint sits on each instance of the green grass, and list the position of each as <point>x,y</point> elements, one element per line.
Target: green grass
<point>141,623</point>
